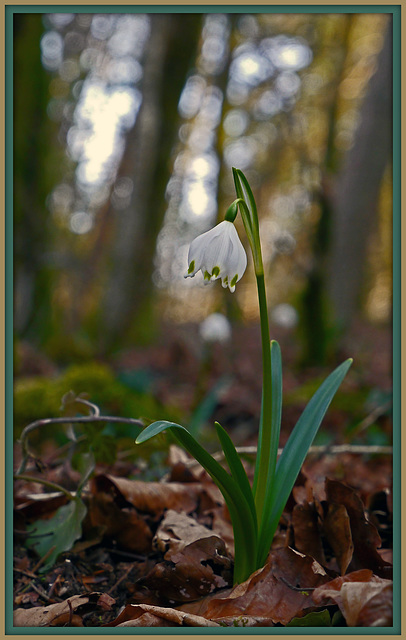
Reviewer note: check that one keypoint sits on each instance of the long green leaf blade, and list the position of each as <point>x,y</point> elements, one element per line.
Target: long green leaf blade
<point>246,214</point>
<point>236,467</point>
<point>247,195</point>
<point>244,525</point>
<point>295,451</point>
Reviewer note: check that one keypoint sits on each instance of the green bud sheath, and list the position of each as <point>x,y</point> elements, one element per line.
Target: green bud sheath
<point>232,211</point>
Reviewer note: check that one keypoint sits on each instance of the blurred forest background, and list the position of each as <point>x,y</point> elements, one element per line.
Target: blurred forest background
<point>126,127</point>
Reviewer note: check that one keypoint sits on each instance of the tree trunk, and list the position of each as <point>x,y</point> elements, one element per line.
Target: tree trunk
<point>172,44</point>
<point>357,191</point>
<point>36,162</point>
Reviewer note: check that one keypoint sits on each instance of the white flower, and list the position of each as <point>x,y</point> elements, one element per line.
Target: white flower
<point>219,254</point>
<point>215,328</point>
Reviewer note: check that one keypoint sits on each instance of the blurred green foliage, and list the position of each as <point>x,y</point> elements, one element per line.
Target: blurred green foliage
<point>41,396</point>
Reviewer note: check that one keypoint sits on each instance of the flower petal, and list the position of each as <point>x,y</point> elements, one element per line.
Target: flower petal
<point>218,253</point>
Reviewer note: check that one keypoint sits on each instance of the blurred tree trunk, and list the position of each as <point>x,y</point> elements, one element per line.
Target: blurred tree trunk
<point>127,303</point>
<point>357,191</point>
<point>33,177</point>
<point>315,320</point>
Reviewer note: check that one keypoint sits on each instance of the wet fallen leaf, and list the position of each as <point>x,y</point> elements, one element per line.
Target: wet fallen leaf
<point>36,505</point>
<point>151,497</point>
<point>124,524</point>
<point>62,613</point>
<point>337,528</point>
<point>365,537</point>
<point>365,600</point>
<point>274,594</point>
<point>195,561</point>
<point>142,615</point>
<point>306,527</point>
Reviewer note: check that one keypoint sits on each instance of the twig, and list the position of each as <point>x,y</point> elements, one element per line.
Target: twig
<point>372,417</point>
<point>66,420</point>
<point>91,405</point>
<point>29,574</point>
<point>46,483</point>
<point>119,581</point>
<point>40,591</point>
<point>334,449</point>
<point>43,559</point>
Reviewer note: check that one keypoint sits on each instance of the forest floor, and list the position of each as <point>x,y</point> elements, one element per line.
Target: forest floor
<point>153,546</point>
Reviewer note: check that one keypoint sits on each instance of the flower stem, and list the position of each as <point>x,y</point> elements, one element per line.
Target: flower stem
<point>264,438</point>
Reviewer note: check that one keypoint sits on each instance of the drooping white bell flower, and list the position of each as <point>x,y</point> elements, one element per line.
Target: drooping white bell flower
<point>219,254</point>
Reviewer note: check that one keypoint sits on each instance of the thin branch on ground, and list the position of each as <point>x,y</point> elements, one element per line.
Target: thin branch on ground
<point>46,483</point>
<point>65,420</point>
<point>334,449</point>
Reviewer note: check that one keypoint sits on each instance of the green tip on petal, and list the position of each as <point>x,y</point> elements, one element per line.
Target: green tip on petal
<point>207,275</point>
<point>191,267</point>
<point>215,272</point>
<point>234,280</point>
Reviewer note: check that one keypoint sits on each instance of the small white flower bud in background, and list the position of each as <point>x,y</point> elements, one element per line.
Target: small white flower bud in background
<point>285,316</point>
<point>215,328</point>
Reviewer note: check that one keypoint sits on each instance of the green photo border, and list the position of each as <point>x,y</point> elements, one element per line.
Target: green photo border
<point>9,11</point>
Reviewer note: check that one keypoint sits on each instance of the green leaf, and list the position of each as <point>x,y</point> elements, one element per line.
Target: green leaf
<point>245,192</point>
<point>312,619</point>
<point>244,525</point>
<point>236,467</point>
<point>59,532</point>
<point>295,451</point>
<point>246,214</point>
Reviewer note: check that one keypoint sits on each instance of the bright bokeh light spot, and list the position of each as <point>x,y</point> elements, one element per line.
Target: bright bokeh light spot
<point>287,83</point>
<point>287,53</point>
<point>200,167</point>
<point>130,35</point>
<point>81,222</point>
<point>51,50</point>
<point>124,70</point>
<point>240,153</point>
<point>192,96</point>
<point>197,199</point>
<point>251,68</point>
<point>60,20</point>
<point>100,114</point>
<point>235,122</point>
<point>268,104</point>
<point>290,56</point>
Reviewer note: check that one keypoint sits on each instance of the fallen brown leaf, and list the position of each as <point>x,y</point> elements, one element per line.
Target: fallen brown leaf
<point>37,505</point>
<point>364,534</point>
<point>337,529</point>
<point>124,524</point>
<point>274,594</point>
<point>195,561</point>
<point>365,600</point>
<point>151,497</point>
<point>306,527</point>
<point>62,613</point>
<point>144,615</point>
